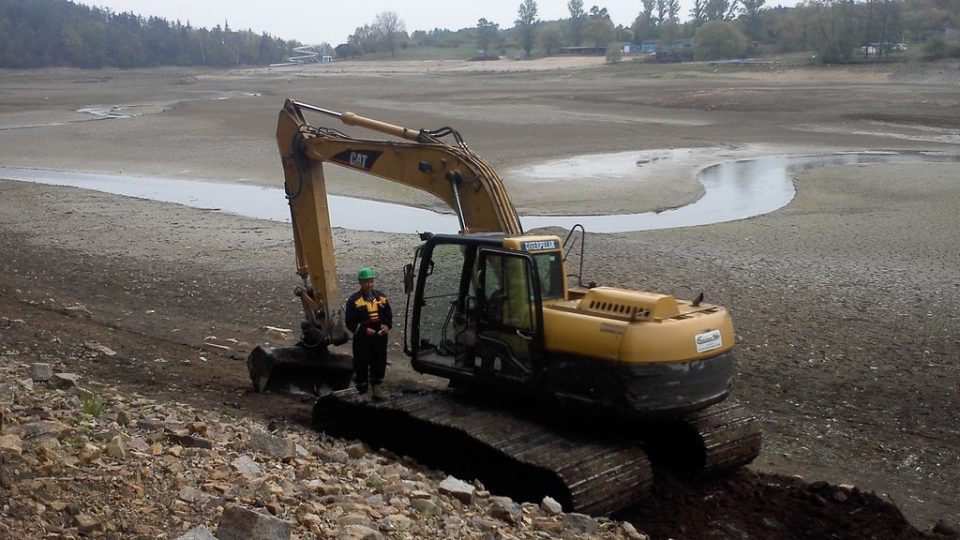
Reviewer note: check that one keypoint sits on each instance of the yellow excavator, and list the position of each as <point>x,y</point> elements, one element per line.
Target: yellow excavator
<point>573,387</point>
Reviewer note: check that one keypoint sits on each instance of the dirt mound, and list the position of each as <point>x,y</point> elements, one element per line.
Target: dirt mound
<point>752,505</point>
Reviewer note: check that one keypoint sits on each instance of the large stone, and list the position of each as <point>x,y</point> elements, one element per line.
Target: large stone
<point>87,523</point>
<point>124,419</point>
<point>458,489</point>
<point>425,507</point>
<point>49,448</point>
<point>238,523</point>
<point>356,451</point>
<point>89,453</point>
<point>550,506</point>
<point>150,424</point>
<point>337,455</point>
<point>358,532</point>
<point>41,428</point>
<point>187,440</point>
<point>632,533</point>
<point>354,519</point>
<point>247,467</point>
<point>64,381</point>
<point>200,532</point>
<point>580,522</point>
<point>548,525</point>
<point>397,522</point>
<point>191,494</point>
<point>41,372</point>
<point>117,447</point>
<point>504,509</point>
<point>11,445</point>
<point>140,445</point>
<point>272,446</point>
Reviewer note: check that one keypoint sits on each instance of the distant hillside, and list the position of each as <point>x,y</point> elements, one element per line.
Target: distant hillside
<point>41,33</point>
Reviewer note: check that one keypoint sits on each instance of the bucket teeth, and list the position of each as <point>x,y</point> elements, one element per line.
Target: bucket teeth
<point>298,369</point>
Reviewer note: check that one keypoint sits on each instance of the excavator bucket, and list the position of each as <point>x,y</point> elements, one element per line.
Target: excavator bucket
<point>299,369</point>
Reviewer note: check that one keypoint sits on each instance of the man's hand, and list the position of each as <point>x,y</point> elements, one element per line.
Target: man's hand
<point>370,331</point>
<point>384,330</point>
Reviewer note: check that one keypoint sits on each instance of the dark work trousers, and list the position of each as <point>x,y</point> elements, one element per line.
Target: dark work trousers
<point>369,360</point>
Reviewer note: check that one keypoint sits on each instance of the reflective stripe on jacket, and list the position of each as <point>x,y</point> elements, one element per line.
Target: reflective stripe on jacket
<point>368,313</point>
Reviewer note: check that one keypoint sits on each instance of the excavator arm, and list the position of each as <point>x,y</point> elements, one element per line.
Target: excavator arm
<point>420,159</point>
<point>451,172</point>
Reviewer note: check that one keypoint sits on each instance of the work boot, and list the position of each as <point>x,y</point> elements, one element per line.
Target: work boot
<point>362,395</point>
<point>378,393</point>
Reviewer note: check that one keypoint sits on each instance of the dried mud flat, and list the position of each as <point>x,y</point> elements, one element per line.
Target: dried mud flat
<point>846,300</point>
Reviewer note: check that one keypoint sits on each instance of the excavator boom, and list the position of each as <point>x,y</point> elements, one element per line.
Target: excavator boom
<point>419,159</point>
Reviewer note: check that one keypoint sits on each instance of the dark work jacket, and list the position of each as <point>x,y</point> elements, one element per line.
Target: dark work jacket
<point>368,313</point>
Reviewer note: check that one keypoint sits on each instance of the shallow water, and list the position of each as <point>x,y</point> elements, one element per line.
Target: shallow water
<point>733,190</point>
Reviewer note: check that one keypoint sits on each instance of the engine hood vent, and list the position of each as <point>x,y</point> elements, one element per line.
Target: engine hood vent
<point>629,304</point>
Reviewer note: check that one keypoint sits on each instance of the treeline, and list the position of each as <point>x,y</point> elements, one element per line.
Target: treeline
<point>837,30</point>
<point>41,33</point>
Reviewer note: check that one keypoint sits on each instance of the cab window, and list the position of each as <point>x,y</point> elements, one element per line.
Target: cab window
<point>550,270</point>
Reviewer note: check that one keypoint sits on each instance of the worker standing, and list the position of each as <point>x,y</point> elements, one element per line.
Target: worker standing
<point>369,318</point>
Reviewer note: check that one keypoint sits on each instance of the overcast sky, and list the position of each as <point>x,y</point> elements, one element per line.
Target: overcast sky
<point>316,21</point>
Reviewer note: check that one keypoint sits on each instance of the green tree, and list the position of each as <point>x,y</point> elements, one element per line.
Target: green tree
<point>835,28</point>
<point>719,10</point>
<point>600,29</point>
<point>577,19</point>
<point>752,20</point>
<point>719,39</point>
<point>366,38</point>
<point>645,26</point>
<point>39,33</point>
<point>614,53</point>
<point>698,13</point>
<point>937,48</point>
<point>390,29</point>
<point>549,39</point>
<point>526,19</point>
<point>673,11</point>
<point>883,24</point>
<point>488,35</point>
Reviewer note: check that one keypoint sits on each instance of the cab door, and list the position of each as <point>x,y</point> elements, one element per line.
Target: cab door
<point>510,342</point>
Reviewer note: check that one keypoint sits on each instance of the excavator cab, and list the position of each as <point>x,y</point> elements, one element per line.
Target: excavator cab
<point>476,311</point>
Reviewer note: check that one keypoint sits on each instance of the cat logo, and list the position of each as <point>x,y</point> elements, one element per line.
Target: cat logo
<point>358,159</point>
<point>539,245</point>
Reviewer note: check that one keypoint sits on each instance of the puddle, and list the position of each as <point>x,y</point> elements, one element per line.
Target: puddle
<point>105,111</point>
<point>733,190</point>
<point>620,166</point>
<point>113,112</point>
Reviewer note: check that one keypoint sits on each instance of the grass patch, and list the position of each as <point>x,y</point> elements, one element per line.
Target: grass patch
<point>92,405</point>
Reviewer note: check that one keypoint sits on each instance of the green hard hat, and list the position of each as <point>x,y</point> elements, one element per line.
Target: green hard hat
<point>366,273</point>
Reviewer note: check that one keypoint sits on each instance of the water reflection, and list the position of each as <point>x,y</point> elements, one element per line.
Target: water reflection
<point>252,201</point>
<point>733,190</point>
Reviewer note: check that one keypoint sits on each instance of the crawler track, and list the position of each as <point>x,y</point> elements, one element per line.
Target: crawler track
<point>527,454</point>
<point>730,435</point>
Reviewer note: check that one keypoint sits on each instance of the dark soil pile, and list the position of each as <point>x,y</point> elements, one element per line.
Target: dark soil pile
<point>752,505</point>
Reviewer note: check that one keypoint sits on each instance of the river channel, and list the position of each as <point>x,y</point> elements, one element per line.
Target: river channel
<point>732,190</point>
